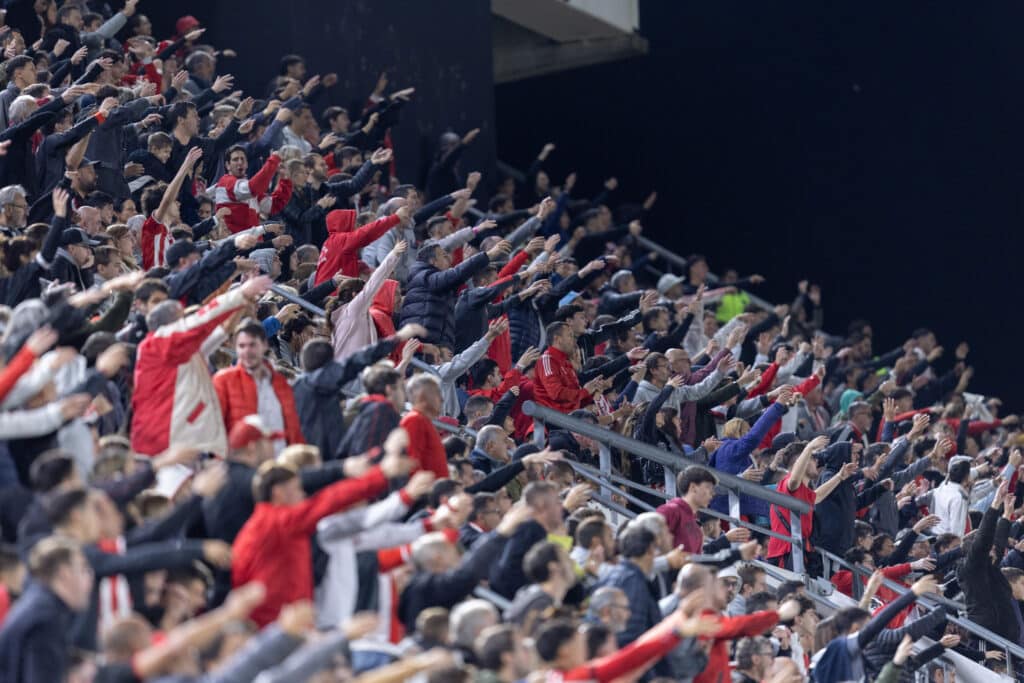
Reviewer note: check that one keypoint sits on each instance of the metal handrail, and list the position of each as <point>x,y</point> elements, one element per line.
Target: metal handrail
<point>615,440</point>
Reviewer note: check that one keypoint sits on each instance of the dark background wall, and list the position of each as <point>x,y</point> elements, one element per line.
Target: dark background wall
<point>872,147</point>
<point>442,48</point>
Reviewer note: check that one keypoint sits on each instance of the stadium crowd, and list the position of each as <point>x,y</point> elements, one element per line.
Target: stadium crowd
<point>202,479</point>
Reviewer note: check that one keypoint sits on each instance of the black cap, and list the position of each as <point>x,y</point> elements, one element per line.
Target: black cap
<point>86,161</point>
<point>781,441</point>
<point>77,236</point>
<point>180,250</point>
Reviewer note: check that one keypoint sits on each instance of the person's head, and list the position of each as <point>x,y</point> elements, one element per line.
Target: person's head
<point>638,545</point>
<point>736,428</point>
<point>336,119</point>
<point>149,293</point>
<point>493,441</point>
<point>293,66</point>
<point>501,650</point>
<point>656,524</point>
<point>761,601</point>
<point>697,265</point>
<point>21,70</point>
<point>753,578</point>
<point>71,513</point>
<point>754,656</point>
<point>19,252</point>
<point>560,644</point>
<point>434,254</point>
<point>849,620</point>
<point>182,254</point>
<point>500,204</point>
<point>610,606</point>
<point>656,320</point>
<point>277,484</point>
<point>560,336</point>
<point>108,262</point>
<point>14,204</point>
<point>433,553</point>
<point>59,564</point>
<point>160,145</point>
<point>54,468</point>
<point>548,562</point>
<point>542,498</point>
<point>236,161</point>
<point>468,619</point>
<point>425,394</point>
<point>302,119</point>
<point>658,370</point>
<point>807,621</point>
<point>201,64</point>
<point>860,416</point>
<point>183,119</point>
<point>124,637</point>
<point>624,282</point>
<point>697,486</point>
<point>575,316</point>
<point>384,380</point>
<point>485,374</point>
<point>593,533</point>
<point>960,472</point>
<point>250,344</point>
<point>1015,577</point>
<point>476,407</point>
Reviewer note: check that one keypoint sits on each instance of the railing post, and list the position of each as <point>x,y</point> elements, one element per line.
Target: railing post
<point>734,504</point>
<point>797,548</point>
<point>1009,664</point>
<point>670,483</point>
<point>538,432</point>
<point>604,460</point>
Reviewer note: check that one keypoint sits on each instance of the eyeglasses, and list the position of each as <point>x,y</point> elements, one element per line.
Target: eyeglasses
<point>625,607</point>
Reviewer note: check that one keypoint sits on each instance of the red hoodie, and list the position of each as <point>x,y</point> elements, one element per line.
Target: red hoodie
<point>341,250</point>
<point>382,311</point>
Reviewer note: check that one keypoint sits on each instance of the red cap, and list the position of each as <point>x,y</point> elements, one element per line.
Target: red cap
<point>250,429</point>
<point>186,24</point>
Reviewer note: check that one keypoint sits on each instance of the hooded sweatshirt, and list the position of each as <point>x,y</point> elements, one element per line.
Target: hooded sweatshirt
<point>834,516</point>
<point>341,250</point>
<point>382,310</point>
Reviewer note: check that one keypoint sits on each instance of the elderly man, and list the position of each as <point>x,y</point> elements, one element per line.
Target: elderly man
<point>491,449</point>
<point>610,606</point>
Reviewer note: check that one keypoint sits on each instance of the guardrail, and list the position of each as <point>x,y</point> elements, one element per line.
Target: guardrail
<point>607,439</point>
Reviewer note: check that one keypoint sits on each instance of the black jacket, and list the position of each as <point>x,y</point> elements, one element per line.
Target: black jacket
<point>204,277</point>
<point>987,594</point>
<point>833,517</point>
<point>431,295</point>
<point>318,395</point>
<point>507,575</point>
<point>447,589</point>
<point>376,419</point>
<point>35,639</point>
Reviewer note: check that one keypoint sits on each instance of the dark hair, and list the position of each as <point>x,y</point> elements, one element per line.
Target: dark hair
<point>267,478</point>
<point>253,328</point>
<point>551,636</point>
<point>496,202</point>
<point>99,199</point>
<point>596,635</point>
<point>288,61</point>
<point>787,589</point>
<point>588,530</point>
<point>653,359</point>
<point>535,564</point>
<point>178,111</point>
<point>693,475</point>
<point>14,249</point>
<point>477,403</point>
<point>442,488</point>
<point>553,330</point>
<point>8,557</point>
<point>150,286</point>
<point>943,542</point>
<point>959,471</point>
<point>104,255</point>
<point>758,602</point>
<point>635,541</point>
<point>51,469</point>
<point>232,149</point>
<point>652,315</point>
<point>15,63</point>
<point>748,573</point>
<point>378,378</point>
<point>159,140</point>
<point>60,507</point>
<point>856,555</point>
<point>493,644</point>
<point>435,221</point>
<point>564,313</point>
<point>747,648</point>
<point>454,449</point>
<point>481,370</point>
<point>332,113</point>
<point>845,618</point>
<point>480,503</point>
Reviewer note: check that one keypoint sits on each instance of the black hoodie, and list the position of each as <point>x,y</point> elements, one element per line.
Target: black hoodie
<point>834,516</point>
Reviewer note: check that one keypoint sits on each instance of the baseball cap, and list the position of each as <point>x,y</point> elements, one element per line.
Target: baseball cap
<point>86,161</point>
<point>668,281</point>
<point>731,573</point>
<point>180,250</point>
<point>781,441</point>
<point>77,236</point>
<point>568,298</point>
<point>249,429</point>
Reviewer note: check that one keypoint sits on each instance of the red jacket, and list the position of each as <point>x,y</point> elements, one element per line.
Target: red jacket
<point>718,669</point>
<point>245,195</point>
<point>639,653</point>
<point>274,547</point>
<point>236,391</point>
<point>804,388</point>
<point>340,251</point>
<point>682,522</point>
<point>556,385</point>
<point>500,350</point>
<point>425,445</point>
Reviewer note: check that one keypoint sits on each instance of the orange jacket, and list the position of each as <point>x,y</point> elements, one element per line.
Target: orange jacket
<point>236,391</point>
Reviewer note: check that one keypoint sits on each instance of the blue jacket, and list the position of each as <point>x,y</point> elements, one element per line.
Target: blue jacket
<point>733,456</point>
<point>36,638</point>
<point>431,295</point>
<point>643,605</point>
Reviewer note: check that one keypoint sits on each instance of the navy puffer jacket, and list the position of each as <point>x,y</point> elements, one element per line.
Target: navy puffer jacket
<point>431,295</point>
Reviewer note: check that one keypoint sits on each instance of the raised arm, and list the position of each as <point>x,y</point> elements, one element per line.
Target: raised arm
<point>174,187</point>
